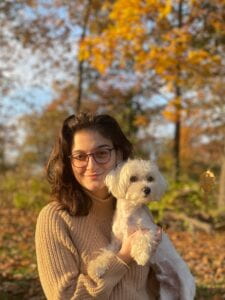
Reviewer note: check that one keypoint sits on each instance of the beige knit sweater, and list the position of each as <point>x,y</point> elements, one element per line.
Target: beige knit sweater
<point>65,245</point>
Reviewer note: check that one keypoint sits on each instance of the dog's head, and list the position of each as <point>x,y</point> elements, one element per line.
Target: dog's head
<point>138,181</point>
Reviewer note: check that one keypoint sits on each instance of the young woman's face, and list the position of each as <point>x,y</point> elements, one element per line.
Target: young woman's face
<point>91,170</point>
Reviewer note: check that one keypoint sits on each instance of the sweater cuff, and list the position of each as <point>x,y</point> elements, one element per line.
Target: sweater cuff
<point>117,265</point>
<point>117,269</point>
<point>114,273</point>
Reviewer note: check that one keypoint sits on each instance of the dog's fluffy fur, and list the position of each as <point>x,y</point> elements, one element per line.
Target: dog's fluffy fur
<point>135,183</point>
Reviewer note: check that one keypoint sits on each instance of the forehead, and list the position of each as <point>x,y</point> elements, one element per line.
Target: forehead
<point>88,140</point>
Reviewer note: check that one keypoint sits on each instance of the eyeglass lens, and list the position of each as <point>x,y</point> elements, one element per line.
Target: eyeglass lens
<point>101,156</point>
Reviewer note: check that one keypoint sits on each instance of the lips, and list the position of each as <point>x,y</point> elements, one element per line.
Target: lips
<point>93,175</point>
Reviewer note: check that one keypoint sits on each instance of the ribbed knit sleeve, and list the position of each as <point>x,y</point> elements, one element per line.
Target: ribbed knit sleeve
<point>59,262</point>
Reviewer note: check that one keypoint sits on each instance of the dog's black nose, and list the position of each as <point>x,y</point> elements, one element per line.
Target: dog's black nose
<point>146,190</point>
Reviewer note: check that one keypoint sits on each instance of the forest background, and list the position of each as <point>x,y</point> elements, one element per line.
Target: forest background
<point>158,67</point>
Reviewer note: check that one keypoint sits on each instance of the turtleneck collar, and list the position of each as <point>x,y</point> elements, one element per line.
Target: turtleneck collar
<point>94,197</point>
<point>103,208</point>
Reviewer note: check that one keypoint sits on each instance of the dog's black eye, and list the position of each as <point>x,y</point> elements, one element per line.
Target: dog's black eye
<point>133,178</point>
<point>150,178</point>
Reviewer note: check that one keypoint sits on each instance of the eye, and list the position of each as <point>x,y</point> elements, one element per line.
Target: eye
<point>150,178</point>
<point>133,178</point>
<point>80,156</point>
<point>101,153</point>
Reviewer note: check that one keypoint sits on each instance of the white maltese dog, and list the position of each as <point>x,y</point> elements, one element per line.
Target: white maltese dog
<point>134,184</point>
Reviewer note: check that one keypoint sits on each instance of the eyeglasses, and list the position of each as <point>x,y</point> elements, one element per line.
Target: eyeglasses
<point>101,156</point>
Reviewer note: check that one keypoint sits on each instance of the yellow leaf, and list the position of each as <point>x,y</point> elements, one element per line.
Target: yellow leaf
<point>141,121</point>
<point>207,181</point>
<point>165,11</point>
<point>170,115</point>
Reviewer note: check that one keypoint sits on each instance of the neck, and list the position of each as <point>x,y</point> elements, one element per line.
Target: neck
<point>102,194</point>
<point>102,207</point>
<point>97,195</point>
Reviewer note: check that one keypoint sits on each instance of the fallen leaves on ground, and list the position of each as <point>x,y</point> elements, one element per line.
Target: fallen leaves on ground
<point>204,253</point>
<point>18,268</point>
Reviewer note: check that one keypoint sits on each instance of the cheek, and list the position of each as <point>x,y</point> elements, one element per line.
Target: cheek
<point>77,172</point>
<point>110,165</point>
<point>107,168</point>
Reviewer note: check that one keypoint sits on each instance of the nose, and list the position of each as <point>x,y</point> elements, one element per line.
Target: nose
<point>91,164</point>
<point>146,190</point>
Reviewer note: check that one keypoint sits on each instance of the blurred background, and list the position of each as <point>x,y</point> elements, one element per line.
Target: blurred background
<point>158,67</point>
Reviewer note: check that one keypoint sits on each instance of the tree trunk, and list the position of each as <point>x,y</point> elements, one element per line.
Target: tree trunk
<point>81,63</point>
<point>177,149</point>
<point>79,87</point>
<point>221,198</point>
<point>178,95</point>
<point>177,135</point>
<point>3,164</point>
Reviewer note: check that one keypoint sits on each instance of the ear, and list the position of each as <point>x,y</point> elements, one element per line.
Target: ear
<point>112,181</point>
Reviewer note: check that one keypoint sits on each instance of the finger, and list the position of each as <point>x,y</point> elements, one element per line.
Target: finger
<point>158,234</point>
<point>159,229</point>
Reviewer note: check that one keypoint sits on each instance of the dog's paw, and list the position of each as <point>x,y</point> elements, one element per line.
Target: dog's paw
<point>98,266</point>
<point>95,270</point>
<point>141,249</point>
<point>142,259</point>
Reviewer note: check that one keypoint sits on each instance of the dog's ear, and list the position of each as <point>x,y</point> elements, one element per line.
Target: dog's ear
<point>112,181</point>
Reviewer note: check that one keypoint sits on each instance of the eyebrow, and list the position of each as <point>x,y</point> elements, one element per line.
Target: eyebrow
<point>98,147</point>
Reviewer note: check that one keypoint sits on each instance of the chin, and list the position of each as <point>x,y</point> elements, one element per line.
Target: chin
<point>99,191</point>
<point>94,187</point>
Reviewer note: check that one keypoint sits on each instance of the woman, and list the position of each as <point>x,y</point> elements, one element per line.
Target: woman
<point>77,223</point>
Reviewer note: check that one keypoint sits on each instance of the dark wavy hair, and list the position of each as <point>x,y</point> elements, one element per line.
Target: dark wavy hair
<point>65,188</point>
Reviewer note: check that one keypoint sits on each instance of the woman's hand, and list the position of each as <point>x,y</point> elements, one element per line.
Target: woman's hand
<point>125,250</point>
